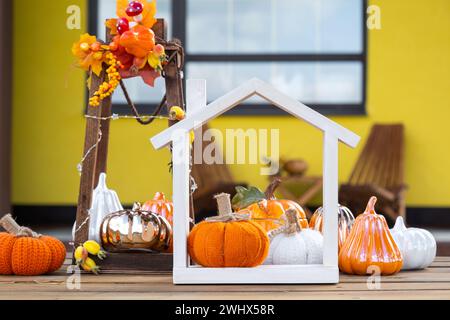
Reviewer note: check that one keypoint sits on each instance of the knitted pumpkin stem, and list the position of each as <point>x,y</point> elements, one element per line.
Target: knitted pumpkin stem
<point>224,204</point>
<point>371,205</point>
<point>11,226</point>
<point>270,191</point>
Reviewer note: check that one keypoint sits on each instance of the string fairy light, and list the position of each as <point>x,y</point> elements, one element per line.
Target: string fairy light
<point>115,117</point>
<point>88,152</point>
<point>83,223</point>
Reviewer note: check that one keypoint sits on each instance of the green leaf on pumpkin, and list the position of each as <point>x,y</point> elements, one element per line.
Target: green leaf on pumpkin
<point>246,197</point>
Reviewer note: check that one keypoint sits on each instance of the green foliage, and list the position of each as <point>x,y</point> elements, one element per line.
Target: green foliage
<point>245,197</point>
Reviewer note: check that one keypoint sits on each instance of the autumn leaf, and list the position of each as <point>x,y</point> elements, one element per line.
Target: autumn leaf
<point>147,74</point>
<point>111,24</point>
<point>148,15</point>
<point>121,9</point>
<point>97,67</point>
<point>90,62</point>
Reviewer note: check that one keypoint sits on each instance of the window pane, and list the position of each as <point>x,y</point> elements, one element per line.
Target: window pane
<point>309,82</point>
<point>275,26</point>
<point>140,92</point>
<point>107,10</point>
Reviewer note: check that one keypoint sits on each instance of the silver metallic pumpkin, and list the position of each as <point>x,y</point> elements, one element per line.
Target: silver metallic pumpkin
<point>135,229</point>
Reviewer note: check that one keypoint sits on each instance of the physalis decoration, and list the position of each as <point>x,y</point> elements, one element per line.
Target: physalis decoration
<point>83,259</point>
<point>133,50</point>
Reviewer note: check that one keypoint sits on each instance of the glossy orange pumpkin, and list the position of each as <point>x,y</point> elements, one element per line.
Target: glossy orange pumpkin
<point>370,247</point>
<point>228,241</point>
<point>345,223</point>
<point>160,206</point>
<point>25,253</point>
<point>139,41</point>
<point>265,209</point>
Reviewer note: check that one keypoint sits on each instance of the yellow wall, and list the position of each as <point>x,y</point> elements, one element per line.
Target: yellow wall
<point>408,82</point>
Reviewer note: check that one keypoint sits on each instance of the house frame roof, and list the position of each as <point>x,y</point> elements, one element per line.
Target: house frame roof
<point>267,92</point>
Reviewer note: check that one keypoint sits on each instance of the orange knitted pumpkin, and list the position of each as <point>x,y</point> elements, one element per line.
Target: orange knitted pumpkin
<point>161,206</point>
<point>229,240</point>
<point>58,251</point>
<point>6,247</point>
<point>265,209</point>
<point>370,244</point>
<point>25,253</point>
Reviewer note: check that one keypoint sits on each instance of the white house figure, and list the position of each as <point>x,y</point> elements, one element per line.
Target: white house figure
<point>198,113</point>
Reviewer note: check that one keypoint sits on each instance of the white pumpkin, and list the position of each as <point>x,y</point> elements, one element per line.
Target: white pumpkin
<point>418,246</point>
<point>290,245</point>
<point>104,202</point>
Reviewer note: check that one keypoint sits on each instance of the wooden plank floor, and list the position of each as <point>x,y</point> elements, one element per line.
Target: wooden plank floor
<point>432,283</point>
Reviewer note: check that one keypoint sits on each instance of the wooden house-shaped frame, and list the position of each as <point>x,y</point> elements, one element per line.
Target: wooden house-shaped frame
<point>198,113</point>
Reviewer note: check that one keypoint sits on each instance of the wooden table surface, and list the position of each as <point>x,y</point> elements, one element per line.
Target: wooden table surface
<point>432,283</point>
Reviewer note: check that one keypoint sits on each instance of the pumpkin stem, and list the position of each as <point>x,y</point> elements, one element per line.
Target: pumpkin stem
<point>293,225</point>
<point>12,227</point>
<point>270,191</point>
<point>27,232</point>
<point>9,224</point>
<point>102,181</point>
<point>371,205</point>
<point>136,206</point>
<point>400,224</point>
<point>159,196</point>
<point>224,204</point>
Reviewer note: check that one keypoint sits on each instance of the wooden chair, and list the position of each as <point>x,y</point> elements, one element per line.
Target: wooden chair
<point>379,172</point>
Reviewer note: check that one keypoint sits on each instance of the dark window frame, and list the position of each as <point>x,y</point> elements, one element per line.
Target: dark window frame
<point>179,26</point>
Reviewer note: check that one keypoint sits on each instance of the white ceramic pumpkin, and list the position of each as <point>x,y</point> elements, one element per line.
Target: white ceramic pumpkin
<point>418,246</point>
<point>104,202</point>
<point>292,245</point>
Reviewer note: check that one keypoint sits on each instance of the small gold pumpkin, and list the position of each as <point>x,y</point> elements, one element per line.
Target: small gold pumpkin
<point>135,229</point>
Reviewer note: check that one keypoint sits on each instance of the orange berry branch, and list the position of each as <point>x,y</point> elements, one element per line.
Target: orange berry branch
<point>107,88</point>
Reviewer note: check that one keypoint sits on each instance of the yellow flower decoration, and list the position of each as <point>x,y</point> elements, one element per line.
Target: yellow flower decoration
<point>79,49</point>
<point>88,58</point>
